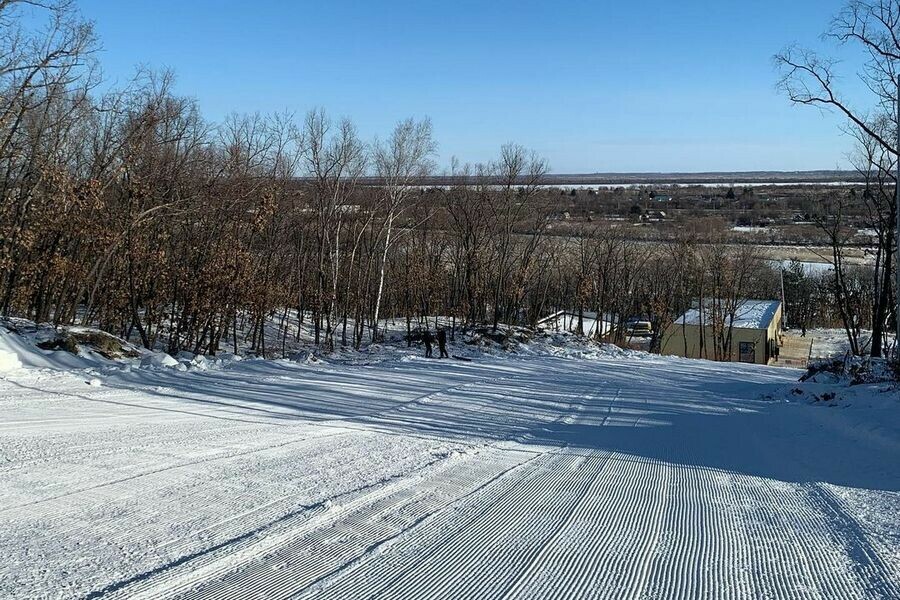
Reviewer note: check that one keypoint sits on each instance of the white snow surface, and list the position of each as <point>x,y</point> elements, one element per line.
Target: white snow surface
<point>9,358</point>
<point>831,343</point>
<point>158,360</point>
<point>9,361</point>
<point>565,470</point>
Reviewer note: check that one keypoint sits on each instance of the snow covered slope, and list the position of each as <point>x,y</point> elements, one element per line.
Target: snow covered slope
<point>530,477</point>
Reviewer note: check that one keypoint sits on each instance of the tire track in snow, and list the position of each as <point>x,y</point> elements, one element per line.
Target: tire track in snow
<point>705,549</point>
<point>94,525</point>
<point>474,483</point>
<point>158,471</point>
<point>425,398</point>
<point>222,407</point>
<point>559,490</point>
<point>111,442</point>
<point>98,515</point>
<point>156,522</point>
<point>604,549</point>
<point>541,562</point>
<point>414,563</point>
<point>875,575</point>
<point>502,483</point>
<point>247,565</point>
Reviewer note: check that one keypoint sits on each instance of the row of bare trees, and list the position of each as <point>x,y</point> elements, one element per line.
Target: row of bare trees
<point>125,209</point>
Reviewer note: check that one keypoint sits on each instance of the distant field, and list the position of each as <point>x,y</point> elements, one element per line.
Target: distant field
<point>812,254</point>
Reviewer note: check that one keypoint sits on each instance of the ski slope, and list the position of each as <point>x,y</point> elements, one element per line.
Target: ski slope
<point>531,477</point>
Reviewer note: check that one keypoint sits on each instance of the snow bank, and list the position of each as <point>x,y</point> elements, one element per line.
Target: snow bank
<point>42,346</point>
<point>11,352</point>
<point>74,348</point>
<point>24,343</point>
<point>159,360</point>
<point>850,381</point>
<point>524,342</point>
<point>9,361</point>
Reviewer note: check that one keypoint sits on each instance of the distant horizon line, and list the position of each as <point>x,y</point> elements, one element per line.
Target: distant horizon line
<point>723,178</point>
<point>714,172</point>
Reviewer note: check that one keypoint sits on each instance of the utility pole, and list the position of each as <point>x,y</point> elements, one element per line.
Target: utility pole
<point>783,302</point>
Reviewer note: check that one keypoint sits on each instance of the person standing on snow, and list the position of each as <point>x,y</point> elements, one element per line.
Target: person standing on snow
<point>442,343</point>
<point>427,339</point>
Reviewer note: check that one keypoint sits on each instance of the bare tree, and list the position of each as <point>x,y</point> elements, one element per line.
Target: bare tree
<point>400,163</point>
<point>519,174</point>
<point>811,79</point>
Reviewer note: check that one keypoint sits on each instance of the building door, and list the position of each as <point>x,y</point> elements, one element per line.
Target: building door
<point>747,352</point>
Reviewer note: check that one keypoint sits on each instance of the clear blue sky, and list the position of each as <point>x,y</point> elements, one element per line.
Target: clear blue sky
<point>639,85</point>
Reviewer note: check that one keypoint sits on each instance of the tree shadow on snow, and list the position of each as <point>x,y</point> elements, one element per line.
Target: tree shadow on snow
<point>680,412</point>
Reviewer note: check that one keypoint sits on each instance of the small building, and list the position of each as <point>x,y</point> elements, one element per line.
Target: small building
<point>754,333</point>
<point>653,216</point>
<point>567,320</point>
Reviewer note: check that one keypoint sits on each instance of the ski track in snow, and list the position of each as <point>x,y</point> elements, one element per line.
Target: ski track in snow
<point>532,477</point>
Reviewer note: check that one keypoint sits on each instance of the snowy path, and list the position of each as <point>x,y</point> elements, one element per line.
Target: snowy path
<point>519,478</point>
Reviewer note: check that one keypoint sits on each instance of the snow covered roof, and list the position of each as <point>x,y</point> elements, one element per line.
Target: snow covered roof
<point>750,314</point>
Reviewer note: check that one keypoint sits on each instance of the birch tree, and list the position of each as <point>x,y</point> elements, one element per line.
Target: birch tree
<point>400,163</point>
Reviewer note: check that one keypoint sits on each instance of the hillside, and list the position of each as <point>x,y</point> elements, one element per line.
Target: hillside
<point>557,471</point>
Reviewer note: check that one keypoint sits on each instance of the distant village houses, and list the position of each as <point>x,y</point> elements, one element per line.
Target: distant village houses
<point>653,216</point>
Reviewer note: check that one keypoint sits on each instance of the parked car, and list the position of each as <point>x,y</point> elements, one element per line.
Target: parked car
<point>639,328</point>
